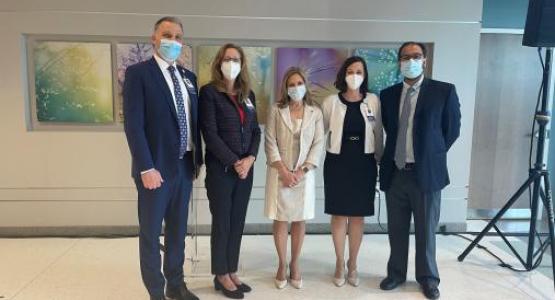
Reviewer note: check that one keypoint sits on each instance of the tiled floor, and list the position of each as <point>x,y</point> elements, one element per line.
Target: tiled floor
<point>64,269</point>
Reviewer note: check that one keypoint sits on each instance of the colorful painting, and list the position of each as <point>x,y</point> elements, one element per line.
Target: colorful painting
<point>259,60</point>
<point>73,82</point>
<point>205,56</point>
<point>186,58</point>
<point>383,68</point>
<point>131,53</point>
<point>319,64</point>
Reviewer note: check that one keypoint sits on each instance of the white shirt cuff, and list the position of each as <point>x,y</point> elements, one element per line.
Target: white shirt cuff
<point>146,171</point>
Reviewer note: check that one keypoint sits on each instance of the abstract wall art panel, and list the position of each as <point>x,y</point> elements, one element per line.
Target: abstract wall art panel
<point>383,69</point>
<point>259,61</point>
<point>319,64</point>
<point>128,54</point>
<point>73,82</point>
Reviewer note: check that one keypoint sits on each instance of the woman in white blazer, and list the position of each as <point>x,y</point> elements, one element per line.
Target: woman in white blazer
<point>352,121</point>
<point>294,142</point>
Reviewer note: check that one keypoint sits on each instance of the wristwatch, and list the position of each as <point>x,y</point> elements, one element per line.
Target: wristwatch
<point>305,169</point>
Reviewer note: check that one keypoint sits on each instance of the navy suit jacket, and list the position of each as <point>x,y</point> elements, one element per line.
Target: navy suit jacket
<point>437,123</point>
<point>151,120</point>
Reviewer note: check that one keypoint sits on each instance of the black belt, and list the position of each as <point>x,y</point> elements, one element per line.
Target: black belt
<point>408,167</point>
<point>186,154</point>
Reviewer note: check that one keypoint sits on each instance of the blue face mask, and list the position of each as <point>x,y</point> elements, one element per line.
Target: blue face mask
<point>169,50</point>
<point>412,68</point>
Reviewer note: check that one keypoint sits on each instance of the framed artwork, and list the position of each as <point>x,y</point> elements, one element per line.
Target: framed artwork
<point>76,82</point>
<point>259,61</point>
<point>205,56</point>
<point>319,64</point>
<point>73,82</point>
<point>383,69</point>
<point>128,54</point>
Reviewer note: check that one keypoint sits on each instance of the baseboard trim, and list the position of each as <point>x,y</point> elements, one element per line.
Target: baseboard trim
<point>132,231</point>
<point>510,214</point>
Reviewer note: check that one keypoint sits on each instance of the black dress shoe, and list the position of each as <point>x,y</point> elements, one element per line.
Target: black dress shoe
<point>430,291</point>
<point>237,294</point>
<point>390,283</point>
<point>157,298</point>
<point>243,287</point>
<point>182,293</point>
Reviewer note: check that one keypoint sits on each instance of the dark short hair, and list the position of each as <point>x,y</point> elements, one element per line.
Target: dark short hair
<point>168,19</point>
<point>406,44</point>
<point>340,82</point>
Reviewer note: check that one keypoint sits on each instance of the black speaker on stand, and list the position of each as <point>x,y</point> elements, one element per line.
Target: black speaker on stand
<point>540,24</point>
<point>539,32</point>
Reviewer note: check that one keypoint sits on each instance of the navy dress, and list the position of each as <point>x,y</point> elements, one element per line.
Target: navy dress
<point>350,176</point>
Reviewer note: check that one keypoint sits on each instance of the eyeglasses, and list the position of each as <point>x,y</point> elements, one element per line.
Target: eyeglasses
<point>233,59</point>
<point>413,56</point>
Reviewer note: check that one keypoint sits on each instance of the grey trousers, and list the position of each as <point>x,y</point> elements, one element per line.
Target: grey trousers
<point>405,199</point>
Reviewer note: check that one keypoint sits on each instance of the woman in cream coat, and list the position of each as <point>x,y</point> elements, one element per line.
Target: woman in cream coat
<point>352,119</point>
<point>294,142</point>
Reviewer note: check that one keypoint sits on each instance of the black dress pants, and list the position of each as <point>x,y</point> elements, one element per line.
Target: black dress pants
<point>405,199</point>
<point>228,197</point>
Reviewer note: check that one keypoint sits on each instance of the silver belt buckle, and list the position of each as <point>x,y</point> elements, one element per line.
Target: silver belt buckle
<point>354,138</point>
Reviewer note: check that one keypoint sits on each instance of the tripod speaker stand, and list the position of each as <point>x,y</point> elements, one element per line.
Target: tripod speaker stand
<point>538,174</point>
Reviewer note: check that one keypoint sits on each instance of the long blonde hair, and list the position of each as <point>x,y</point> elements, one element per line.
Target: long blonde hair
<point>284,96</point>
<point>242,82</point>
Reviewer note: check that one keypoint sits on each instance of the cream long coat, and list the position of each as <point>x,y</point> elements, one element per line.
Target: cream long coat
<point>297,203</point>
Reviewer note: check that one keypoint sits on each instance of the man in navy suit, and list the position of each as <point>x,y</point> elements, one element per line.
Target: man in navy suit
<point>421,118</point>
<point>161,125</point>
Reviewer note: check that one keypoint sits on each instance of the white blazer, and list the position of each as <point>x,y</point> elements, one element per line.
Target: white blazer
<point>334,114</point>
<point>284,203</point>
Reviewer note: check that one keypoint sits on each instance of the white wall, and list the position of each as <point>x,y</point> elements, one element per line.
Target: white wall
<point>81,179</point>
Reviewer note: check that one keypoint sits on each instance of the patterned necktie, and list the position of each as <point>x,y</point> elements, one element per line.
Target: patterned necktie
<point>181,116</point>
<point>401,146</point>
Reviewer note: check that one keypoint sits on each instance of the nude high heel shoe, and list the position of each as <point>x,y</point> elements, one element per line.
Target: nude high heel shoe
<point>352,276</point>
<point>298,284</point>
<point>340,281</point>
<point>281,284</point>
<point>353,279</point>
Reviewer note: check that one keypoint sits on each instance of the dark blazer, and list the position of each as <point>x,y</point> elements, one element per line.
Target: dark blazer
<point>151,119</point>
<point>226,139</point>
<point>437,123</point>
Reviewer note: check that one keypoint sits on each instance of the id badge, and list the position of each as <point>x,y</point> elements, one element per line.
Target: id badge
<point>249,104</point>
<point>370,116</point>
<point>189,85</point>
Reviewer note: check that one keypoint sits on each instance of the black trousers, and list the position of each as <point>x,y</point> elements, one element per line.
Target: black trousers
<point>228,197</point>
<point>405,199</point>
<point>169,203</point>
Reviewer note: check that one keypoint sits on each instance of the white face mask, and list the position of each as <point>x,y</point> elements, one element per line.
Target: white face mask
<point>296,93</point>
<point>231,69</point>
<point>354,81</point>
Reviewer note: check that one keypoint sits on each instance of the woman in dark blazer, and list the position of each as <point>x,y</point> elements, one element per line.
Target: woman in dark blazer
<point>232,136</point>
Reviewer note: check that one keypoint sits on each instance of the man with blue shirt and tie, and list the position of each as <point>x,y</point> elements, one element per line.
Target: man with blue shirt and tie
<point>161,125</point>
<point>422,119</point>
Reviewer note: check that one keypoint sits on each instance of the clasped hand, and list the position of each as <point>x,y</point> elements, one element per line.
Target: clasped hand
<point>290,178</point>
<point>243,166</point>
